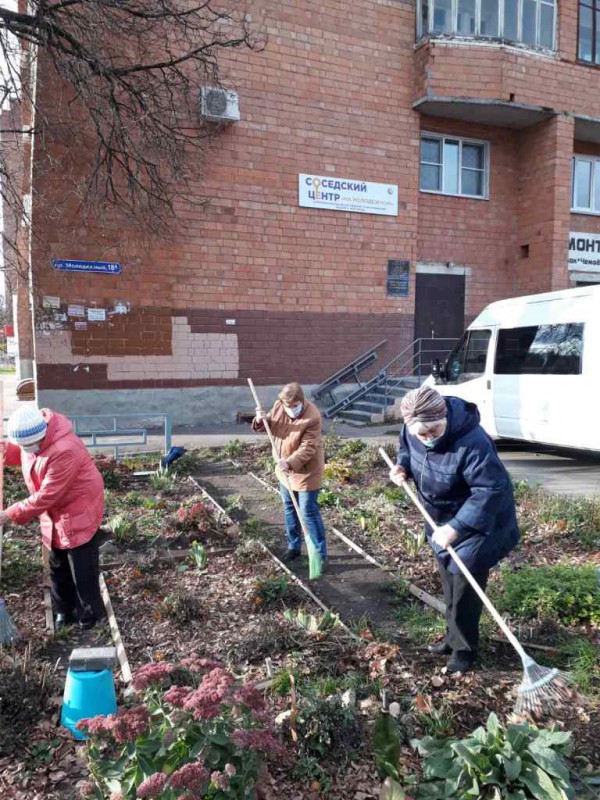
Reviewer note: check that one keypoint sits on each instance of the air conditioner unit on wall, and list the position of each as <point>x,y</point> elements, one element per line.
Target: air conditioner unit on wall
<point>219,105</point>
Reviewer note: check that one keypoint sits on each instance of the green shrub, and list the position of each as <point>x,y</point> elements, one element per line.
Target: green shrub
<point>182,606</point>
<point>351,447</point>
<point>268,590</point>
<point>516,763</point>
<point>570,594</point>
<point>328,729</point>
<point>583,661</point>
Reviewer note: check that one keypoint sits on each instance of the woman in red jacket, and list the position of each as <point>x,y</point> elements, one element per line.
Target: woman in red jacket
<point>66,492</point>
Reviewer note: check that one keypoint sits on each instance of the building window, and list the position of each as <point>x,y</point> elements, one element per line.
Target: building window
<point>530,22</point>
<point>453,166</point>
<point>586,185</point>
<point>588,44</point>
<point>540,350</point>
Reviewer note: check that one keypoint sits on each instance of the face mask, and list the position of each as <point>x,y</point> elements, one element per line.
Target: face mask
<point>31,448</point>
<point>432,442</point>
<point>295,411</point>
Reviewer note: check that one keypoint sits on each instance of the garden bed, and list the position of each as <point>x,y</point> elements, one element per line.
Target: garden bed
<point>228,603</point>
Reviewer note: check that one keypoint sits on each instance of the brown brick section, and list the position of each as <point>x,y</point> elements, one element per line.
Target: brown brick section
<point>274,348</point>
<point>140,332</point>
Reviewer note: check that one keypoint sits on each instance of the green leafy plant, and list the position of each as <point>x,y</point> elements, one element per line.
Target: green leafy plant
<point>351,447</point>
<point>199,556</point>
<point>233,449</point>
<point>339,470</point>
<point>281,684</point>
<point>329,498</point>
<point>326,728</point>
<point>267,591</point>
<point>203,738</point>
<point>570,594</point>
<point>386,745</point>
<point>515,762</point>
<point>309,622</point>
<point>254,528</point>
<point>414,543</point>
<point>123,529</point>
<point>163,480</point>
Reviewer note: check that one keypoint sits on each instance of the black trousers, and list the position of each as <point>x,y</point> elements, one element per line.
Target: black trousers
<point>74,586</point>
<point>463,609</point>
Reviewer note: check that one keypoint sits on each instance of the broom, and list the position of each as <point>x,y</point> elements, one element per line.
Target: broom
<point>540,686</point>
<point>8,632</point>
<point>314,558</point>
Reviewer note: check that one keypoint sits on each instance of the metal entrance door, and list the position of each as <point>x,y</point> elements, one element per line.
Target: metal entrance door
<point>439,313</point>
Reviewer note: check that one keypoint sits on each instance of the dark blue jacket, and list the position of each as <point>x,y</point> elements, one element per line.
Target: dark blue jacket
<point>461,481</point>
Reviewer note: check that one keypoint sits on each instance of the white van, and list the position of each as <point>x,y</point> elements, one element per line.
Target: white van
<point>532,365</point>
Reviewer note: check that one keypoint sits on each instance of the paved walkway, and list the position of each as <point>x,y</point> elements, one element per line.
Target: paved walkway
<point>560,472</point>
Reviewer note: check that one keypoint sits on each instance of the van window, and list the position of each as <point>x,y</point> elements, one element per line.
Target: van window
<point>467,360</point>
<point>540,350</point>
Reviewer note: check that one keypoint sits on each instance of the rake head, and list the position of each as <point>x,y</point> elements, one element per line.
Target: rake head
<point>543,689</point>
<point>8,632</point>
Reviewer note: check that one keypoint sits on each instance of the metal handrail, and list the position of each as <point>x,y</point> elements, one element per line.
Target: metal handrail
<point>351,369</point>
<point>394,371</point>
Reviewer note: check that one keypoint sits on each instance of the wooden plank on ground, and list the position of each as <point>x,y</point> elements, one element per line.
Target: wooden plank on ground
<point>46,586</point>
<point>116,634</point>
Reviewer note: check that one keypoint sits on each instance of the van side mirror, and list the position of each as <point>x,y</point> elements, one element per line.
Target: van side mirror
<point>436,369</point>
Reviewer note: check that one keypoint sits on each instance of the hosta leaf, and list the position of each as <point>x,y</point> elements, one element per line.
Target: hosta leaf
<point>512,767</point>
<point>391,790</point>
<point>539,783</point>
<point>549,761</point>
<point>493,725</point>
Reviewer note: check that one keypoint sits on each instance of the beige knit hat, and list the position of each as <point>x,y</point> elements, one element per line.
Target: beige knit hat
<point>423,405</point>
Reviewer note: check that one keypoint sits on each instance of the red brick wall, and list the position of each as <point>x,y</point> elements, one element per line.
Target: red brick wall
<point>478,234</point>
<point>545,157</point>
<point>505,73</point>
<point>331,94</point>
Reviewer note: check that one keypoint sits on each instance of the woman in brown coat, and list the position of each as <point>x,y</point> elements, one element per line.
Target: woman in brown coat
<point>296,427</point>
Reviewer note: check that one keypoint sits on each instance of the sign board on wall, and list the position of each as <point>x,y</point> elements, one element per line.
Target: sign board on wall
<point>397,278</point>
<point>346,194</point>
<point>584,252</point>
<point>70,265</point>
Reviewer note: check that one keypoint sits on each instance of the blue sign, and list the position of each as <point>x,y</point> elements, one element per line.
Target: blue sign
<point>106,267</point>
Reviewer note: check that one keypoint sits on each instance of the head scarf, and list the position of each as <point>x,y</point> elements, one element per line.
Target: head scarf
<point>423,405</point>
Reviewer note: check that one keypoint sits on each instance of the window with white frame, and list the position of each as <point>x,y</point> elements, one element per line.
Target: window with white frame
<point>586,184</point>
<point>454,166</point>
<point>530,22</point>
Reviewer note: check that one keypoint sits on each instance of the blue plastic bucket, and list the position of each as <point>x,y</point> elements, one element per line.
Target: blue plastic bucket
<point>87,694</point>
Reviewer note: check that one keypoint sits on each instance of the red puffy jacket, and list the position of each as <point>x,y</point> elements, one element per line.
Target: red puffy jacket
<point>66,490</point>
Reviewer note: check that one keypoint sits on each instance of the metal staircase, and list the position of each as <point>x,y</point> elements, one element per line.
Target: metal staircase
<point>371,401</point>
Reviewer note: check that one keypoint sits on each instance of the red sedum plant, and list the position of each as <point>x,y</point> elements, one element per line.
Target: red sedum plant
<point>194,735</point>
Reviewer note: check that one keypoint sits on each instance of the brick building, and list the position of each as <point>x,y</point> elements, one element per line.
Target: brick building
<point>485,114</point>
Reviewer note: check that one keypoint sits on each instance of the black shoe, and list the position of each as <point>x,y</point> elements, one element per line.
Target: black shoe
<point>440,648</point>
<point>461,661</point>
<point>62,620</point>
<point>291,555</point>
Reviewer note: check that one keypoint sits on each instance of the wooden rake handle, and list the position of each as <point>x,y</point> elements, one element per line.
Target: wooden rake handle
<point>459,563</point>
<point>286,482</point>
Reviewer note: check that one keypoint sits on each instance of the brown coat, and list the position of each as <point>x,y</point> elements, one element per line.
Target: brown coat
<point>300,442</point>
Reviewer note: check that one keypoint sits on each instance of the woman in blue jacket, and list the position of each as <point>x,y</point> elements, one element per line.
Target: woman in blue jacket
<point>467,491</point>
